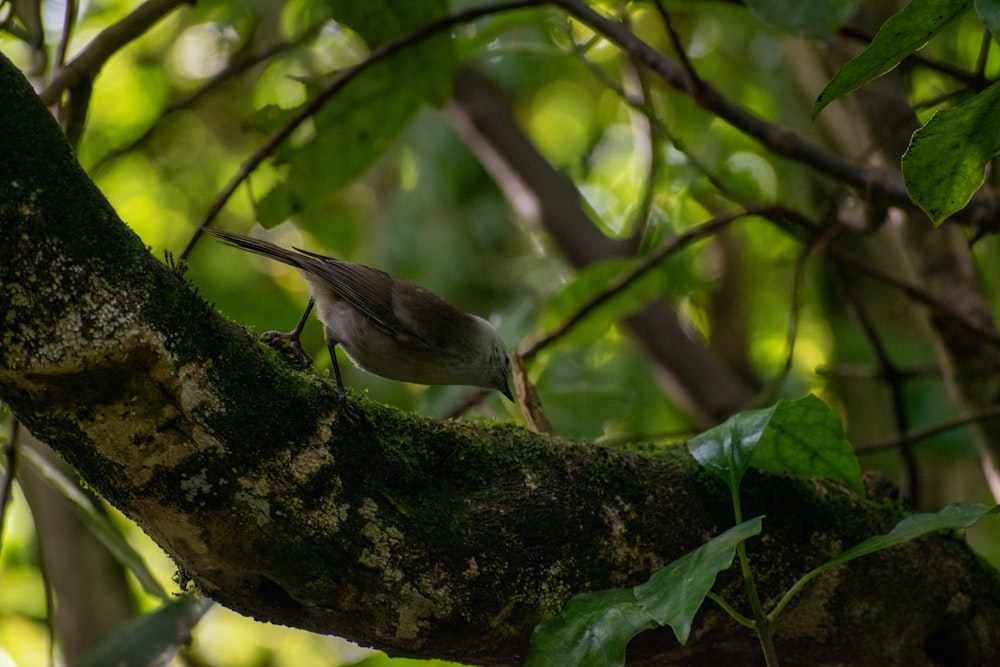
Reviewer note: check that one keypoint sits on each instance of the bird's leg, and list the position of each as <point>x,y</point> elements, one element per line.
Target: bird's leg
<point>291,339</point>
<point>346,409</point>
<point>331,345</point>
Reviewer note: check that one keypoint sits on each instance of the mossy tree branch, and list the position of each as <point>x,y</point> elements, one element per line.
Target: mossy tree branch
<point>421,537</point>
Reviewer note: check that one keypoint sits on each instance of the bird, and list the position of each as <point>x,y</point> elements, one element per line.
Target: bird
<point>388,326</point>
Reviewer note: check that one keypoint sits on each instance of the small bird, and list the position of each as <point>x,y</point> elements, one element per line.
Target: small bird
<point>390,327</point>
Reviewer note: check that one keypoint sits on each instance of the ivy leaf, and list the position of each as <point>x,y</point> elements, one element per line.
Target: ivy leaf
<point>726,449</point>
<point>595,628</point>
<point>802,438</point>
<point>675,593</point>
<point>946,161</point>
<point>592,631</point>
<point>805,439</point>
<point>951,517</point>
<point>898,37</point>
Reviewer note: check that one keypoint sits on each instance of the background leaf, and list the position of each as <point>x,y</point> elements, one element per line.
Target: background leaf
<point>97,522</point>
<point>819,17</point>
<point>989,12</point>
<point>151,639</point>
<point>946,161</point>
<point>358,125</point>
<point>898,37</point>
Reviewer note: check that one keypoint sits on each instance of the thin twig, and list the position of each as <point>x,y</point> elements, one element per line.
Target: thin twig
<point>984,54</point>
<point>766,395</point>
<point>617,286</point>
<point>797,223</point>
<point>107,42</point>
<point>69,20</point>
<point>651,148</point>
<point>917,435</point>
<point>910,482</point>
<point>231,71</point>
<point>696,83</point>
<point>875,183</point>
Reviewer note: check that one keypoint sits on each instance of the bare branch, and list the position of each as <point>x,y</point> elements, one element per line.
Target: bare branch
<point>109,41</point>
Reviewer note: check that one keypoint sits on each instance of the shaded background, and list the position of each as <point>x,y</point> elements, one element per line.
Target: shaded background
<point>172,116</point>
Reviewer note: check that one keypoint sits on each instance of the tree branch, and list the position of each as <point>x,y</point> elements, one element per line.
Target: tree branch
<point>884,186</point>
<point>85,66</point>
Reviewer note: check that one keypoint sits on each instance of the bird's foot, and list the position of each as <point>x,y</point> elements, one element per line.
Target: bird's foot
<point>289,345</point>
<point>350,414</point>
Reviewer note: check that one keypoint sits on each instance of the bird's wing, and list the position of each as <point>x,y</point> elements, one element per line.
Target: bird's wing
<point>368,289</point>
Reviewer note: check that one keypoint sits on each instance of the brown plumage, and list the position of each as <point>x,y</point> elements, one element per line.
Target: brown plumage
<point>390,327</point>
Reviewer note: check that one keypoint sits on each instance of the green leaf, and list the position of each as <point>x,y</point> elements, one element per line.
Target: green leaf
<point>592,631</point>
<point>96,522</point>
<point>946,161</point>
<point>898,37</point>
<point>675,593</point>
<point>989,12</point>
<point>427,67</point>
<point>952,517</point>
<point>151,639</point>
<point>805,439</point>
<point>349,133</point>
<point>359,123</point>
<point>727,448</point>
<point>816,17</point>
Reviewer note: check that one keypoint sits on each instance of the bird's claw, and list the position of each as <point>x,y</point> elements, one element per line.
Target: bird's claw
<point>350,414</point>
<point>289,345</point>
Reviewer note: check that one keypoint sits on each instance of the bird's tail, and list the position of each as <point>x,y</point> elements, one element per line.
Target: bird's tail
<point>261,247</point>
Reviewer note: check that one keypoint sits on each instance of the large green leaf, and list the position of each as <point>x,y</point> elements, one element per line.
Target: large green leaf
<point>802,438</point>
<point>900,36</point>
<point>592,631</point>
<point>595,628</point>
<point>675,593</point>
<point>816,17</point>
<point>946,161</point>
<point>805,439</point>
<point>151,639</point>
<point>726,449</point>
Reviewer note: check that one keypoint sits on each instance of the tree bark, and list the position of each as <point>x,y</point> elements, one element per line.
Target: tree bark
<point>419,537</point>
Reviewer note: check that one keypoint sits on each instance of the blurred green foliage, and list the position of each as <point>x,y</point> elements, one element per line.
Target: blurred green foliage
<point>381,177</point>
